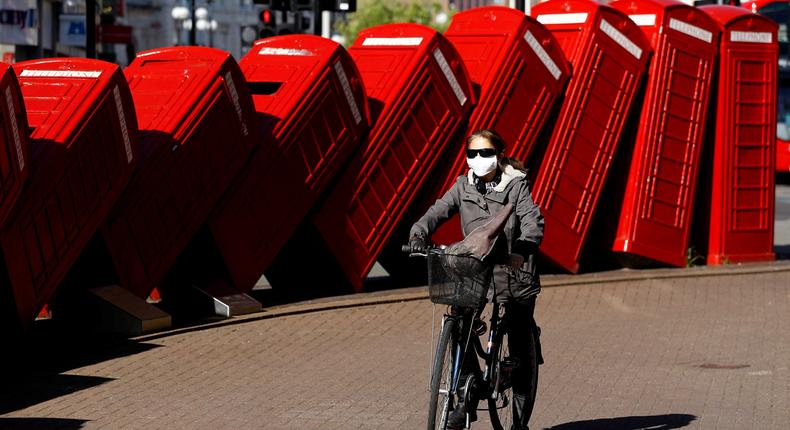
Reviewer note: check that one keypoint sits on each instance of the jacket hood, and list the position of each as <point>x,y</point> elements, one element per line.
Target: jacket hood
<point>508,174</point>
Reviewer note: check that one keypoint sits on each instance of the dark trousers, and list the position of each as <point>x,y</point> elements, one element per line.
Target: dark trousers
<point>522,332</point>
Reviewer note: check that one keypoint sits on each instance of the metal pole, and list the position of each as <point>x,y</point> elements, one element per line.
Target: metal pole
<point>90,29</point>
<point>193,30</point>
<point>326,21</point>
<point>40,14</point>
<point>317,26</point>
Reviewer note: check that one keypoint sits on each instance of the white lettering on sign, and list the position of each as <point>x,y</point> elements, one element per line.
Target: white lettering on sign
<point>392,41</point>
<point>643,20</point>
<point>341,74</point>
<point>690,30</point>
<point>234,96</point>
<point>562,18</point>
<point>448,73</point>
<point>750,36</point>
<point>620,39</point>
<point>286,51</point>
<point>551,66</point>
<point>59,74</point>
<point>9,100</point>
<point>124,127</point>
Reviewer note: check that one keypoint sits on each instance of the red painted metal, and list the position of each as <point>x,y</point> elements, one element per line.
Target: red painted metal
<point>419,94</point>
<point>755,6</point>
<point>83,153</point>
<point>196,133</point>
<point>313,113</point>
<point>520,71</point>
<point>782,156</point>
<point>778,10</point>
<point>608,53</point>
<point>655,219</point>
<point>741,226</point>
<point>15,153</point>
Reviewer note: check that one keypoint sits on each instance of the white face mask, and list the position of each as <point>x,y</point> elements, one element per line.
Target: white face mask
<point>482,166</point>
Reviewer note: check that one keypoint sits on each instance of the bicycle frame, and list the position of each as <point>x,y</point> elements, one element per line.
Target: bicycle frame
<point>461,340</point>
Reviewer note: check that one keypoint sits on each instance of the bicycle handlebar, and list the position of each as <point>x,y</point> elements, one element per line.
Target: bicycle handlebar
<point>406,249</point>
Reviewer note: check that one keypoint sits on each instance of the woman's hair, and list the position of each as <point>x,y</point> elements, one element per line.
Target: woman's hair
<point>489,135</point>
<point>498,143</point>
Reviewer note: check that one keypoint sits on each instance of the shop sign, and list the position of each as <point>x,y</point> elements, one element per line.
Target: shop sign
<point>18,22</point>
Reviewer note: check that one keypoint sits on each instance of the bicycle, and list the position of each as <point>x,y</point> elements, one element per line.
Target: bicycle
<point>454,380</point>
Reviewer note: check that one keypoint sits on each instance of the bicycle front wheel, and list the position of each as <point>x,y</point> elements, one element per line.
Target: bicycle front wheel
<point>442,400</point>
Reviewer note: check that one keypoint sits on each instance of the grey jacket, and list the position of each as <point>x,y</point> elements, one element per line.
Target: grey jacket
<point>523,230</point>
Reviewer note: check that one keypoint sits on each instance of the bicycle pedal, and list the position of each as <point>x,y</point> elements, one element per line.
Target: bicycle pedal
<point>479,327</point>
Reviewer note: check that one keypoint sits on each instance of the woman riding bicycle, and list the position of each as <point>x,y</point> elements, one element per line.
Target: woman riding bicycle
<point>492,182</point>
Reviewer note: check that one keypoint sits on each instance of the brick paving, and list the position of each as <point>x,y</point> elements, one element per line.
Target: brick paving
<point>696,353</point>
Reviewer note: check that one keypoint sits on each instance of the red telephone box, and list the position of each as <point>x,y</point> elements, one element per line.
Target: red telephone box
<point>777,10</point>
<point>313,112</point>
<point>521,72</point>
<point>15,154</point>
<point>83,153</point>
<point>741,210</point>
<point>197,131</point>
<point>655,219</point>
<point>419,95</point>
<point>609,54</point>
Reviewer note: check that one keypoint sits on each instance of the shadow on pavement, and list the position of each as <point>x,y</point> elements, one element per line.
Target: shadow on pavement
<point>39,363</point>
<point>40,423</point>
<point>652,422</point>
<point>53,347</point>
<point>27,391</point>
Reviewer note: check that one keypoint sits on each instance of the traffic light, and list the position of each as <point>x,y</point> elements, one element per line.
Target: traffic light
<point>346,5</point>
<point>268,22</point>
<point>338,5</point>
<point>275,4</point>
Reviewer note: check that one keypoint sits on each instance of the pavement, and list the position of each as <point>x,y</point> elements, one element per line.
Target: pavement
<point>699,348</point>
<point>708,351</point>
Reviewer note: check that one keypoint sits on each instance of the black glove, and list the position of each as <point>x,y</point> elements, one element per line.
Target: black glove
<point>418,244</point>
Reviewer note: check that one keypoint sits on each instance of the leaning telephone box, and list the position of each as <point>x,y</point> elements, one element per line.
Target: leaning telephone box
<point>779,11</point>
<point>521,72</point>
<point>313,112</point>
<point>608,53</point>
<point>741,226</point>
<point>83,154</point>
<point>15,154</point>
<point>419,95</point>
<point>655,218</point>
<point>196,133</point>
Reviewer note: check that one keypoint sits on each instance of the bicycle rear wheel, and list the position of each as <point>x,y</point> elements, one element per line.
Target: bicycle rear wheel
<point>442,401</point>
<point>501,409</point>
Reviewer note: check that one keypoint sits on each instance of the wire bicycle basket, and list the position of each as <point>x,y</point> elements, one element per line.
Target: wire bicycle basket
<point>457,280</point>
